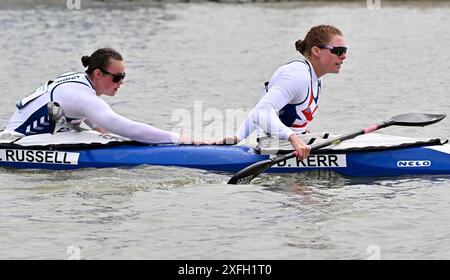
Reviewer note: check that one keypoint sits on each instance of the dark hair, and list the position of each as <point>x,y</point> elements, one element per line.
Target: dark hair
<point>99,59</point>
<point>318,35</point>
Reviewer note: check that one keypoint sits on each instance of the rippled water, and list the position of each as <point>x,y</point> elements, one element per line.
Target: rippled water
<point>180,54</point>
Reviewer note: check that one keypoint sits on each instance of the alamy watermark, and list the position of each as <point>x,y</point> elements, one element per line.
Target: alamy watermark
<point>214,124</point>
<point>76,4</point>
<point>73,4</point>
<point>74,252</point>
<point>374,4</point>
<point>210,123</point>
<point>373,252</point>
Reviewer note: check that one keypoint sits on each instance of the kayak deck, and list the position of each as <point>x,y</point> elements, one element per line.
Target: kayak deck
<point>390,162</point>
<point>370,155</point>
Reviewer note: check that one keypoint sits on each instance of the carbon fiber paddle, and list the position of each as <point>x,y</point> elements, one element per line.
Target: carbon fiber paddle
<point>410,119</point>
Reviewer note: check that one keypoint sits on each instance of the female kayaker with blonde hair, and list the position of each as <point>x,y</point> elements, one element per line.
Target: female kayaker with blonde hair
<point>78,94</point>
<point>294,89</point>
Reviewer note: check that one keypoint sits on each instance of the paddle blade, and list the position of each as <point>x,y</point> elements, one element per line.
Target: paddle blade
<point>417,119</point>
<point>247,174</point>
<point>410,119</point>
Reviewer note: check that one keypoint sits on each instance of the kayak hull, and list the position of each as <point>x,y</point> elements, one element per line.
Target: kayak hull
<point>388,162</point>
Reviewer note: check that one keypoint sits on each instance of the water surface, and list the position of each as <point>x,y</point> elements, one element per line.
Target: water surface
<point>218,56</point>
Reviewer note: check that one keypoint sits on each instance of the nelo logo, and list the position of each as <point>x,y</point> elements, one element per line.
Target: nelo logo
<point>414,163</point>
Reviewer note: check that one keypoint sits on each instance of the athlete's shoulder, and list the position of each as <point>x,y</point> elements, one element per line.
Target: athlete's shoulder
<point>295,66</point>
<point>296,69</point>
<point>72,79</point>
<point>298,63</point>
<point>69,76</point>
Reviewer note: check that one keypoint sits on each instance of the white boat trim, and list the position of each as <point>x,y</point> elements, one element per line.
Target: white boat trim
<point>443,148</point>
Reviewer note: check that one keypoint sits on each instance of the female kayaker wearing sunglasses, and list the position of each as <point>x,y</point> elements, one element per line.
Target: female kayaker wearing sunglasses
<point>78,94</point>
<point>294,89</point>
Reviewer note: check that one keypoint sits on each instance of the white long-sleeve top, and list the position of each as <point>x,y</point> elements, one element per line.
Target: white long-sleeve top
<point>293,92</point>
<point>76,96</point>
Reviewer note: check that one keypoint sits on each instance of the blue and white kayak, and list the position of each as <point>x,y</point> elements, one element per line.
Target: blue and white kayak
<point>93,150</point>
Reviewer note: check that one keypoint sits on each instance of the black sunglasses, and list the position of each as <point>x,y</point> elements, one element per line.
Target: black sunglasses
<point>334,50</point>
<point>115,77</point>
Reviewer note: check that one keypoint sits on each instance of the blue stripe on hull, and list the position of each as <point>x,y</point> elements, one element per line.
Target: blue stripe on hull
<point>233,158</point>
<point>398,162</point>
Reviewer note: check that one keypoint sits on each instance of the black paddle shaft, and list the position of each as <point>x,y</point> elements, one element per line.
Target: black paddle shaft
<point>410,119</point>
